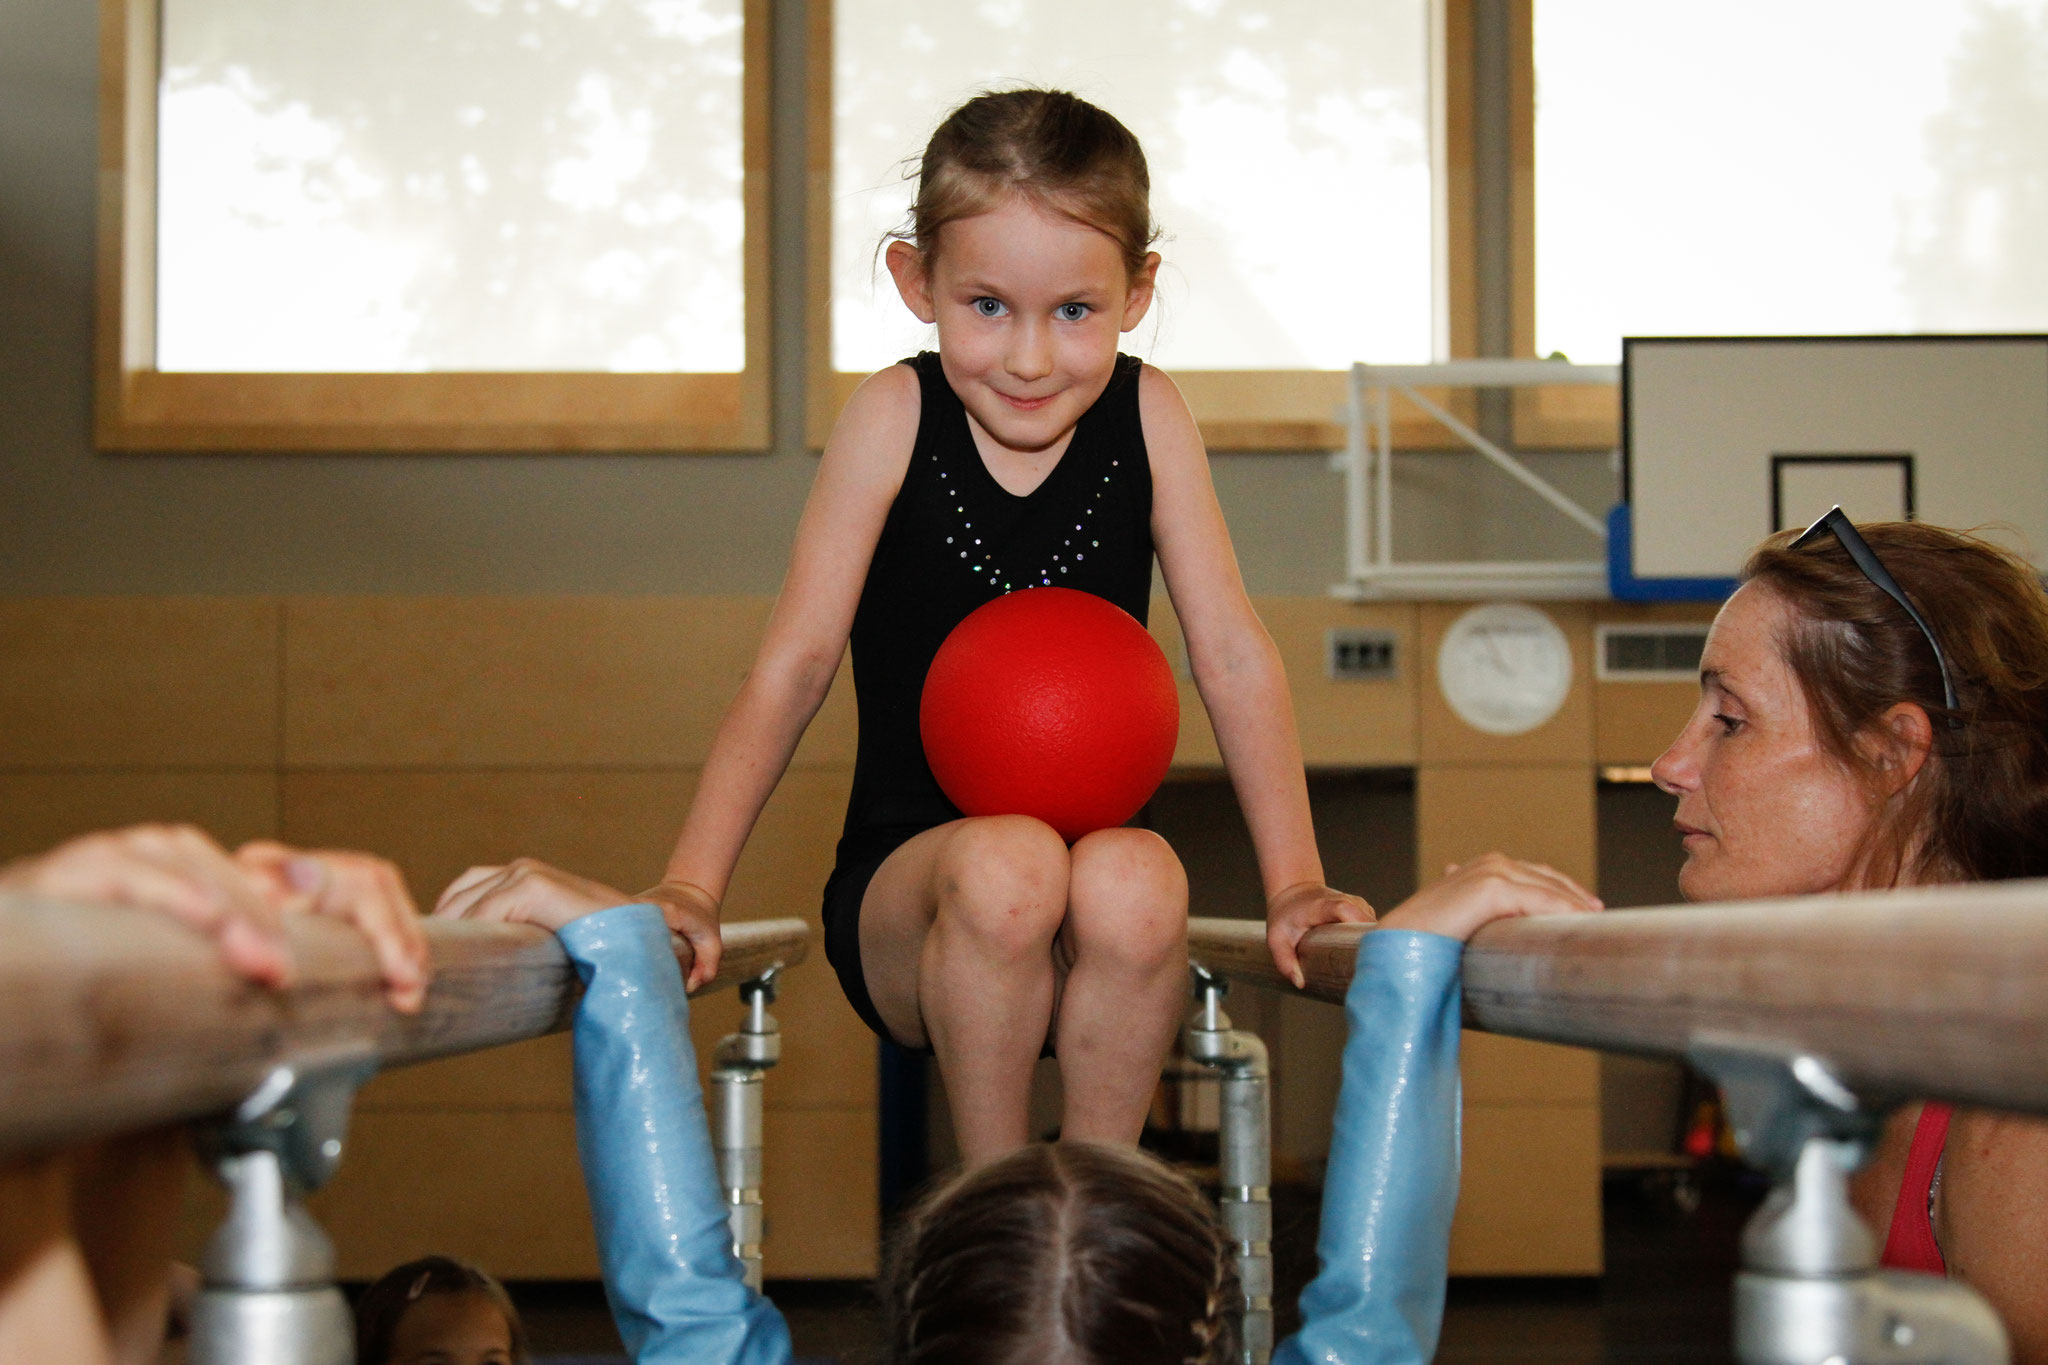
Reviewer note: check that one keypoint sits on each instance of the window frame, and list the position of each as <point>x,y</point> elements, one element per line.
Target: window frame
<point>1248,410</point>
<point>139,408</point>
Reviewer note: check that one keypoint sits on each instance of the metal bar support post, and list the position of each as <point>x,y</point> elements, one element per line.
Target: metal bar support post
<point>741,1060</point>
<point>1245,1142</point>
<point>1810,1289</point>
<point>268,1295</point>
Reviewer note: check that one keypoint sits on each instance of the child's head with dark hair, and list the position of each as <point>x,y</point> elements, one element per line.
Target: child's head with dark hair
<point>438,1311</point>
<point>1050,147</point>
<point>1068,1253</point>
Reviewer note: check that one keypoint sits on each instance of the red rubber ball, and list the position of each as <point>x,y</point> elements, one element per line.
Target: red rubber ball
<point>1050,703</point>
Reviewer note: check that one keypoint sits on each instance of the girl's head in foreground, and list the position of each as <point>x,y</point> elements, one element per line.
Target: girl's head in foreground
<point>1067,1253</point>
<point>1821,755</point>
<point>1029,247</point>
<point>437,1311</point>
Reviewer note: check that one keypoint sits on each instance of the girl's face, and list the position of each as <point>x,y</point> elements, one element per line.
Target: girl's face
<point>1763,808</point>
<point>452,1329</point>
<point>1029,305</point>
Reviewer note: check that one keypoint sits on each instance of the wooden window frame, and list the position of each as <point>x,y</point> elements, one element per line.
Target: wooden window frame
<point>138,407</point>
<point>1236,410</point>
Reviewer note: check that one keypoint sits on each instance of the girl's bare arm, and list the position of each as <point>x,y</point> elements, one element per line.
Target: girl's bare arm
<point>1238,671</point>
<point>857,480</point>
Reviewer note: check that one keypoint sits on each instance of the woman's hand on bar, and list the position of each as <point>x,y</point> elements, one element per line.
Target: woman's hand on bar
<point>1490,887</point>
<point>526,891</point>
<point>1300,908</point>
<point>367,891</point>
<point>177,870</point>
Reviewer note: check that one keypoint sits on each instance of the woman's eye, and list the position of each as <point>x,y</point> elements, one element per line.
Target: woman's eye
<point>1729,724</point>
<point>1071,312</point>
<point>990,308</point>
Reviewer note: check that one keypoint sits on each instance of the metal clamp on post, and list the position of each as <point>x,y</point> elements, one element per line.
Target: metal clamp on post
<point>268,1295</point>
<point>1245,1142</point>
<point>1810,1291</point>
<point>741,1059</point>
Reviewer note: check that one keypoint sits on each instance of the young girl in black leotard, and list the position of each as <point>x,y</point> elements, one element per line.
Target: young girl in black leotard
<point>1025,451</point>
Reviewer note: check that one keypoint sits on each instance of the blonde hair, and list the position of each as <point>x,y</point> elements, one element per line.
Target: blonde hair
<point>1049,147</point>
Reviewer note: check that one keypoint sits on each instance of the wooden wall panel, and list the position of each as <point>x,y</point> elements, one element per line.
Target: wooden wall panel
<point>819,1173</point>
<point>138,682</point>
<point>569,681</point>
<point>1511,1220</point>
<point>42,809</point>
<point>613,826</point>
<point>1341,724</point>
<point>1543,813</point>
<point>500,1188</point>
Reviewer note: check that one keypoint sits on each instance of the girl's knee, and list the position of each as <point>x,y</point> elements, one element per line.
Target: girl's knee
<point>1004,876</point>
<point>1129,898</point>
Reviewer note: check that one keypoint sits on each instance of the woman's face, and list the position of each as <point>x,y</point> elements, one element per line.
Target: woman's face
<point>1763,809</point>
<point>452,1329</point>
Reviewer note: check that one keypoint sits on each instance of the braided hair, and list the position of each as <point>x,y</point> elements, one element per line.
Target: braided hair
<point>1077,1252</point>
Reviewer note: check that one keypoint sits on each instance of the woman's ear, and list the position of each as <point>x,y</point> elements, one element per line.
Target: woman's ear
<point>1139,297</point>
<point>906,267</point>
<point>1899,745</point>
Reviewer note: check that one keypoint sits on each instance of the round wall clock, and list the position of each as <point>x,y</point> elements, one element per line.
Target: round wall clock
<point>1504,668</point>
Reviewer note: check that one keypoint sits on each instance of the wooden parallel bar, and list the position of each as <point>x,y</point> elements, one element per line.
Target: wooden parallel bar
<point>113,1020</point>
<point>1935,992</point>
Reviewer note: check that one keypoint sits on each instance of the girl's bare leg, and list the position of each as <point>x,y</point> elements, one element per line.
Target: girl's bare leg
<point>1125,943</point>
<point>956,943</point>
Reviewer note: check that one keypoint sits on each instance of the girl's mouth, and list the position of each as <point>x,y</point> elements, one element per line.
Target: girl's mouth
<point>1025,404</point>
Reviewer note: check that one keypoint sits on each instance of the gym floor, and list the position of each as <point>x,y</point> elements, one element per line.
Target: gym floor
<point>1665,1296</point>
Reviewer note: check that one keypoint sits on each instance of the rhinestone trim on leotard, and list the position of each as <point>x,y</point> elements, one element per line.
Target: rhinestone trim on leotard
<point>999,577</point>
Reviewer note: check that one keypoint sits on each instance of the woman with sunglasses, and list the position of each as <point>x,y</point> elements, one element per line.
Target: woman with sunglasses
<point>1873,713</point>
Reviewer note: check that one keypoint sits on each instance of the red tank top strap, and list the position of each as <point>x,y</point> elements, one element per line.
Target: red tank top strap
<point>1910,1244</point>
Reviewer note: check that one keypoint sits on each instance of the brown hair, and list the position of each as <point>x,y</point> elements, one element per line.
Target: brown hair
<point>1053,148</point>
<point>385,1303</point>
<point>1978,810</point>
<point>1071,1251</point>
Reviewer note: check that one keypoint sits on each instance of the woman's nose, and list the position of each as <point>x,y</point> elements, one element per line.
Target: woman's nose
<point>1675,770</point>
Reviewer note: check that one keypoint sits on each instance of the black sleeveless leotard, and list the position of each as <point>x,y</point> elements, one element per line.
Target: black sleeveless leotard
<point>954,540</point>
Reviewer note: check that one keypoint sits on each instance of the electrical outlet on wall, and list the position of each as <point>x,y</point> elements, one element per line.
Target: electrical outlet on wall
<point>1356,654</point>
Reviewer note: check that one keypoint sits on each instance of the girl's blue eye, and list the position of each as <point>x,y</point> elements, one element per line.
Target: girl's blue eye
<point>990,308</point>
<point>1071,312</point>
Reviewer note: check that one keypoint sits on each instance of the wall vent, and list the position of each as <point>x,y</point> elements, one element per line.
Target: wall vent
<point>1649,652</point>
<point>1351,654</point>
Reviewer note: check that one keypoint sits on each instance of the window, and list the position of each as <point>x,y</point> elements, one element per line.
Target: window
<point>1780,168</point>
<point>495,224</point>
<point>1295,157</point>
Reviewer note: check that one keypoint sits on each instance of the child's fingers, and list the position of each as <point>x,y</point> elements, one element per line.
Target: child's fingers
<point>1281,941</point>
<point>707,950</point>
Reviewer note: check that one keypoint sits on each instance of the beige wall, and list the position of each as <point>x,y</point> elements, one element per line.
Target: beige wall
<point>449,731</point>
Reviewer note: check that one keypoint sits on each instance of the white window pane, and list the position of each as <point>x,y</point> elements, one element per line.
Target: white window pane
<point>384,185</point>
<point>1789,166</point>
<point>1288,142</point>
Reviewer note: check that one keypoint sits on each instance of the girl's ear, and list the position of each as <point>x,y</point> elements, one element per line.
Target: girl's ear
<point>906,267</point>
<point>1139,298</point>
<point>1900,742</point>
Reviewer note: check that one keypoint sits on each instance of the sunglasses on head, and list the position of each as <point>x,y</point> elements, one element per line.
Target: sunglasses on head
<point>1836,522</point>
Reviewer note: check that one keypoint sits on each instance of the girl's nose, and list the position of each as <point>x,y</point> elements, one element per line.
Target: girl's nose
<point>1030,353</point>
